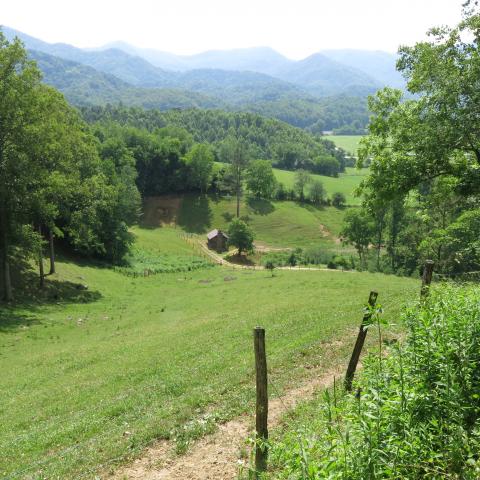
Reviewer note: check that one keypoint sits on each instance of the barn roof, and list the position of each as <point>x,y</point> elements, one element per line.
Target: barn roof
<point>214,233</point>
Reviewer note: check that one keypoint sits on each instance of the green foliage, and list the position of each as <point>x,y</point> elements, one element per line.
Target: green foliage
<point>260,178</point>
<point>317,193</point>
<point>338,200</point>
<point>142,263</point>
<point>416,413</point>
<point>358,231</point>
<point>286,146</point>
<point>240,236</point>
<point>302,179</point>
<point>199,161</point>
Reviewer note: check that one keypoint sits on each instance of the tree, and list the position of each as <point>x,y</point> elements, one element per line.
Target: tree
<point>269,265</point>
<point>240,236</point>
<point>358,231</point>
<point>19,79</point>
<point>236,152</point>
<point>338,200</point>
<point>261,180</point>
<point>414,141</point>
<point>317,192</point>
<point>302,179</point>
<point>200,162</point>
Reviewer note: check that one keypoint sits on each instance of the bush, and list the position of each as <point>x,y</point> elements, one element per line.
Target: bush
<point>415,413</point>
<point>339,200</point>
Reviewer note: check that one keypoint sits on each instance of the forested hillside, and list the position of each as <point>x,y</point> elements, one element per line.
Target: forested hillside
<point>285,146</point>
<point>316,93</point>
<point>83,85</point>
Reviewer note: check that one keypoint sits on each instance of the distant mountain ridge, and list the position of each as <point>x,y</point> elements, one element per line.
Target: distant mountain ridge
<point>321,74</point>
<point>317,93</point>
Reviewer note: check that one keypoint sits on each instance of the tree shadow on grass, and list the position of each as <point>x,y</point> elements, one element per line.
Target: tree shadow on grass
<point>311,207</point>
<point>260,206</point>
<point>29,298</point>
<point>195,214</point>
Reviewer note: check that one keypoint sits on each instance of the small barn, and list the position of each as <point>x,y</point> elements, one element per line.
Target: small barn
<point>217,240</point>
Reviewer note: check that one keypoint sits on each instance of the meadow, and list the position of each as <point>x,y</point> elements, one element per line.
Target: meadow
<point>92,375</point>
<point>345,183</point>
<point>349,143</point>
<point>276,224</point>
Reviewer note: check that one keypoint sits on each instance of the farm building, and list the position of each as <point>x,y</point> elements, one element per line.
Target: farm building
<point>217,240</point>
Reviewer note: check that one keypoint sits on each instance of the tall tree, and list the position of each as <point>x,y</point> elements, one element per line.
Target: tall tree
<point>261,180</point>
<point>302,179</point>
<point>238,155</point>
<point>19,79</point>
<point>200,161</point>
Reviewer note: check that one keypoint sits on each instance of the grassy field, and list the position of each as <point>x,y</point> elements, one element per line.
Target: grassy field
<point>348,142</point>
<point>345,183</point>
<point>277,224</point>
<point>92,376</point>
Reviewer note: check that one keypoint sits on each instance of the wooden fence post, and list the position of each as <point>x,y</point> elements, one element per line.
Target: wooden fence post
<point>357,349</point>
<point>426,278</point>
<point>261,422</point>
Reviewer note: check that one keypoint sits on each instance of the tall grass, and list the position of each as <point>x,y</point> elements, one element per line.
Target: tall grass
<point>415,412</point>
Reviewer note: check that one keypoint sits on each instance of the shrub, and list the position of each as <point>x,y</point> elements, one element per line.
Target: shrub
<point>415,413</point>
<point>338,200</point>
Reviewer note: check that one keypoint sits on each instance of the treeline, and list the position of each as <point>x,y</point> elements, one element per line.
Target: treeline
<point>56,180</point>
<point>422,197</point>
<point>285,146</point>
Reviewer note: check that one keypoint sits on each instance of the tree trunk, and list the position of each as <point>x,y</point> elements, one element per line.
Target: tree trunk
<point>238,202</point>
<point>7,282</point>
<point>52,252</point>
<point>379,243</point>
<point>40,260</point>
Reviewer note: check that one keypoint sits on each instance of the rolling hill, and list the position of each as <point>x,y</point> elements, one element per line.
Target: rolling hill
<point>317,93</point>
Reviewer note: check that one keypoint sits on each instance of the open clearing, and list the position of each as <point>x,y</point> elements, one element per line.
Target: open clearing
<point>345,183</point>
<point>276,224</point>
<point>93,376</point>
<point>349,143</point>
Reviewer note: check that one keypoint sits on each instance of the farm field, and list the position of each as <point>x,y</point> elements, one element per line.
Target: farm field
<point>91,376</point>
<point>278,224</point>
<point>349,143</point>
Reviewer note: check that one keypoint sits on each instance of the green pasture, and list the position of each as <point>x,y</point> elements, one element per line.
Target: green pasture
<point>277,224</point>
<point>99,365</point>
<point>349,143</point>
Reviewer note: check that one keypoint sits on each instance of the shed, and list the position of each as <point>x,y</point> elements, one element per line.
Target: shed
<point>217,240</point>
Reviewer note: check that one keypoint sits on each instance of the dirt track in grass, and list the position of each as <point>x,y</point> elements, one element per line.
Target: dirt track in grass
<point>221,455</point>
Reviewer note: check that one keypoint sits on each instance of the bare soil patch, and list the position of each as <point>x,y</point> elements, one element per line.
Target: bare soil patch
<point>221,455</point>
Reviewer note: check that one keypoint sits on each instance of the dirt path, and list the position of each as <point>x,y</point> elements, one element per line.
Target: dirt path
<point>218,456</point>
<point>218,259</point>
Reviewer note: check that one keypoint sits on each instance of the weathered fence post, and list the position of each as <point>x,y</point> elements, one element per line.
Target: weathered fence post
<point>357,349</point>
<point>261,423</point>
<point>426,278</point>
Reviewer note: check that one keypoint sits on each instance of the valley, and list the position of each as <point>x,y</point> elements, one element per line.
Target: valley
<point>233,264</point>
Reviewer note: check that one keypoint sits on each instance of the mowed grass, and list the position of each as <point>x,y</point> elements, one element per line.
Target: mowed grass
<point>278,224</point>
<point>349,143</point>
<point>89,380</point>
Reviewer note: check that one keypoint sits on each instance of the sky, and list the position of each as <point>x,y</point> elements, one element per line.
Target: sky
<point>295,28</point>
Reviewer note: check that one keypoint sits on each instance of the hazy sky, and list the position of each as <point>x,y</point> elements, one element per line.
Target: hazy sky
<point>295,28</point>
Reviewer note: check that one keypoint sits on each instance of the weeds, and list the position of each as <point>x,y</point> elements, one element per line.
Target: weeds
<point>415,413</point>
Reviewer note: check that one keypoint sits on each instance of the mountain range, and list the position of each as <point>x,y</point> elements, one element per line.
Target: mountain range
<point>255,79</point>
